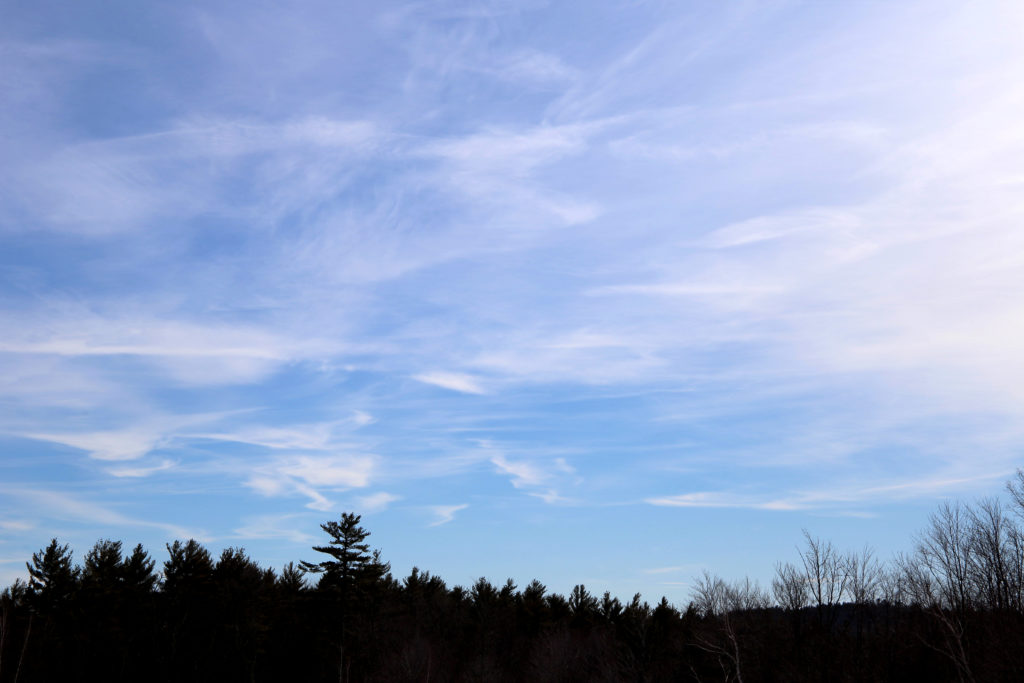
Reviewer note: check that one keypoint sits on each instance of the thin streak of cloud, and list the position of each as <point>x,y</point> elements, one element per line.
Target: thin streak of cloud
<point>127,444</point>
<point>60,505</point>
<point>308,475</point>
<point>445,513</point>
<point>707,499</point>
<point>138,472</point>
<point>455,381</point>
<point>272,527</point>
<point>521,472</point>
<point>131,443</point>
<point>667,570</point>
<point>376,502</point>
<point>828,498</point>
<point>552,497</point>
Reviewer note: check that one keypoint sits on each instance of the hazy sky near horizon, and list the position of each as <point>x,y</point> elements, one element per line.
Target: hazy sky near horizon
<point>607,292</point>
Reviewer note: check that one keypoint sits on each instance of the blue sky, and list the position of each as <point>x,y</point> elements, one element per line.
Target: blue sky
<point>605,292</point>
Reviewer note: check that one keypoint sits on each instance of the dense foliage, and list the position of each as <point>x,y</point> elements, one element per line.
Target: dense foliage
<point>950,610</point>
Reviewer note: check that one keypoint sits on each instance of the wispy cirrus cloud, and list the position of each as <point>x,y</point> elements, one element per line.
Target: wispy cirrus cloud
<point>123,184</point>
<point>54,504</point>
<point>719,269</point>
<point>308,475</point>
<point>825,498</point>
<point>304,436</point>
<point>151,431</point>
<point>376,502</point>
<point>272,527</point>
<point>456,381</point>
<point>674,569</point>
<point>144,471</point>
<point>127,444</point>
<point>445,513</point>
<point>714,500</point>
<point>522,473</point>
<point>187,351</point>
<point>539,477</point>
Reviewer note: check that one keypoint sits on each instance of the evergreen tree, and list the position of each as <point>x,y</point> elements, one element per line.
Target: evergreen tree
<point>348,551</point>
<point>352,566</point>
<point>189,568</point>
<point>350,574</point>
<point>291,580</point>
<point>102,570</point>
<point>137,571</point>
<point>52,577</point>
<point>236,571</point>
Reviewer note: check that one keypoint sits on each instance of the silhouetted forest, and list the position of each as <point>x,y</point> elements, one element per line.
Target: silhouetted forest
<point>950,609</point>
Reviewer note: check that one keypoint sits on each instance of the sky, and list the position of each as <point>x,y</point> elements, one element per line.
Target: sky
<point>590,292</point>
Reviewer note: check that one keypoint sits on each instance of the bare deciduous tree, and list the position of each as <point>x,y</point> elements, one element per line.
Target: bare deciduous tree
<point>864,576</point>
<point>827,579</point>
<point>938,578</point>
<point>991,556</point>
<point>790,587</point>
<point>1016,489</point>
<point>720,603</point>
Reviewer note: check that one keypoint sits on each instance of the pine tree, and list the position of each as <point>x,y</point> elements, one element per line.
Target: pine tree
<point>291,580</point>
<point>52,577</point>
<point>189,570</point>
<point>353,566</point>
<point>351,574</point>
<point>137,571</point>
<point>101,571</point>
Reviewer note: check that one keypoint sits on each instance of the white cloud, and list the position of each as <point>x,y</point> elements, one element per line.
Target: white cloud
<point>667,570</point>
<point>308,475</point>
<point>31,381</point>
<point>552,497</point>
<point>829,498</point>
<point>335,471</point>
<point>122,184</point>
<point>509,152</point>
<point>522,473</point>
<point>608,356</point>
<point>317,501</point>
<point>273,526</point>
<point>361,418</point>
<point>376,502</point>
<point>141,471</point>
<point>314,436</point>
<point>499,171</point>
<point>708,499</point>
<point>531,66</point>
<point>308,436</point>
<point>152,431</point>
<point>188,352</point>
<point>445,513</point>
<point>455,381</point>
<point>126,444</point>
<point>48,504</point>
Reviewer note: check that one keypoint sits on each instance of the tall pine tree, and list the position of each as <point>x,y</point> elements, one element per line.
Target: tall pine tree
<point>351,573</point>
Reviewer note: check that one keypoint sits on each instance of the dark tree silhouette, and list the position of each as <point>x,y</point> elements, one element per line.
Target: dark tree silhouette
<point>350,575</point>
<point>137,571</point>
<point>291,580</point>
<point>189,568</point>
<point>102,569</point>
<point>951,610</point>
<point>52,577</point>
<point>352,563</point>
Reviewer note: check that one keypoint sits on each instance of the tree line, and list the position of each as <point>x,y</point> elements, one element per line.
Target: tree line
<point>950,609</point>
